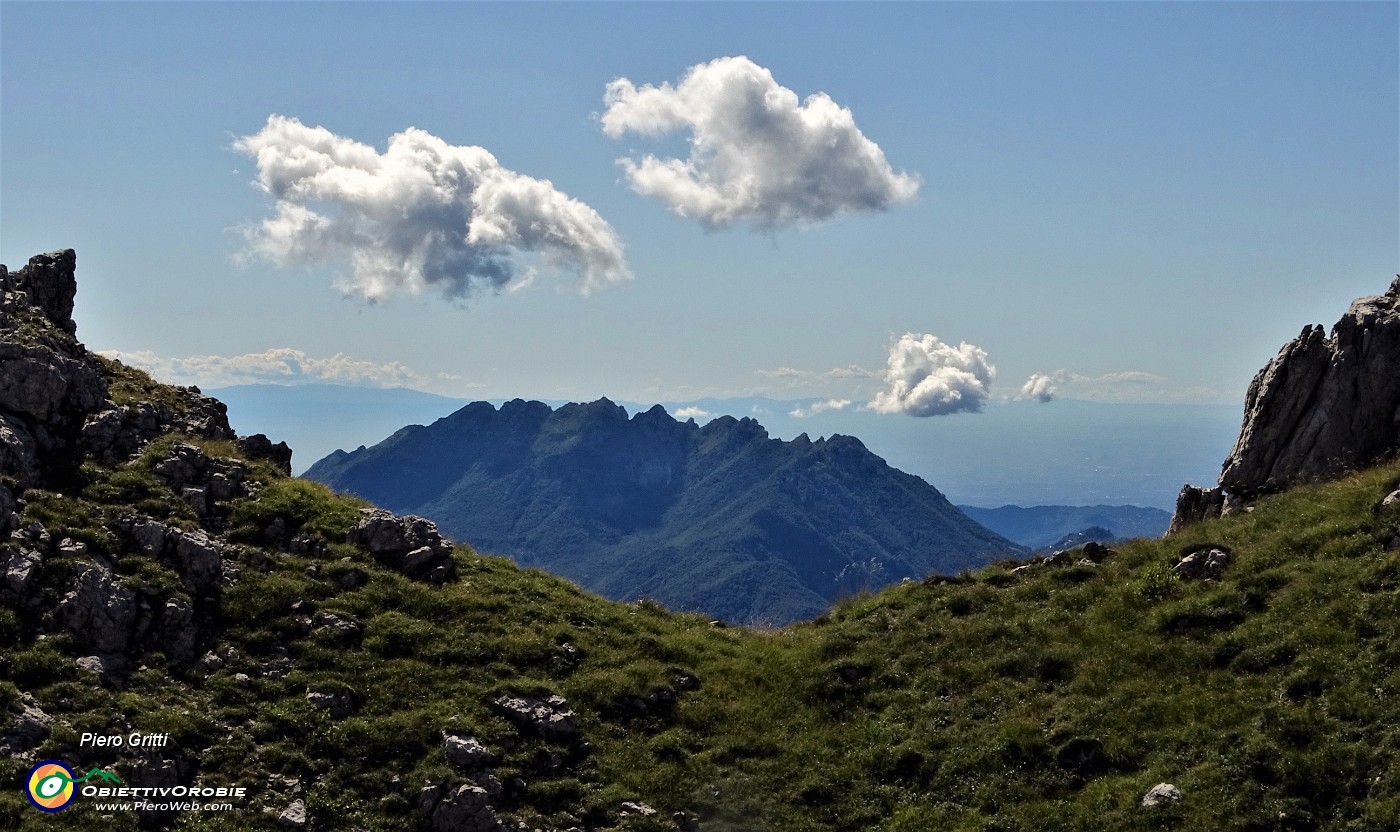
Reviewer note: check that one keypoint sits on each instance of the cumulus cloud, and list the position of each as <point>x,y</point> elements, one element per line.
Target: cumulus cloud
<point>819,407</point>
<point>424,214</point>
<point>757,154</point>
<point>280,365</point>
<point>927,377</point>
<point>1040,387</point>
<point>696,413</point>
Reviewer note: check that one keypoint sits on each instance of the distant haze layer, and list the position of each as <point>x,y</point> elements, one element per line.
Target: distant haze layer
<point>1066,452</point>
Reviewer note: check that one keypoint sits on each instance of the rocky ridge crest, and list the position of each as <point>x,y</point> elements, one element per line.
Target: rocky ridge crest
<point>1324,406</point>
<point>63,407</point>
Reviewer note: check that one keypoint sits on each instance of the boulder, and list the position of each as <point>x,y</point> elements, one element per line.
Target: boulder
<point>409,544</point>
<point>258,446</point>
<point>466,752</point>
<point>294,816</point>
<point>338,705</point>
<point>18,566</point>
<point>1203,563</point>
<point>550,717</point>
<point>466,808</point>
<point>1159,795</point>
<point>29,728</point>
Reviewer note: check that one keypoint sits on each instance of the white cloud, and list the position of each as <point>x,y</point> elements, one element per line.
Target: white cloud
<point>756,153</point>
<point>1040,387</point>
<point>818,407</point>
<point>785,372</point>
<point>698,414</point>
<point>927,377</point>
<point>423,214</point>
<point>1120,385</point>
<point>281,365</point>
<point>851,371</point>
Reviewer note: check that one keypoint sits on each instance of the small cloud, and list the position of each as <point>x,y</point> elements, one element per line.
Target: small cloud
<point>1039,386</point>
<point>695,413</point>
<point>927,377</point>
<point>818,407</point>
<point>851,371</point>
<point>757,154</point>
<point>280,365</point>
<point>424,214</point>
<point>1044,387</point>
<point>785,372</point>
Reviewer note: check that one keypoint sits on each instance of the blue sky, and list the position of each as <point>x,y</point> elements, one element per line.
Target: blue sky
<point>1149,197</point>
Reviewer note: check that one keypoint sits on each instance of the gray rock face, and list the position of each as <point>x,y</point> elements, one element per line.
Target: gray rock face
<point>47,284</point>
<point>100,610</point>
<point>1325,405</point>
<point>410,544</point>
<point>466,808</point>
<point>196,556</point>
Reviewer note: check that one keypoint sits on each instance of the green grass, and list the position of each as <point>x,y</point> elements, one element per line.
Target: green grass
<point>1047,699</point>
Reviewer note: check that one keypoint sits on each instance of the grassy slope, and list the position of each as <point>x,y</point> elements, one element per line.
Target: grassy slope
<point>1268,697</point>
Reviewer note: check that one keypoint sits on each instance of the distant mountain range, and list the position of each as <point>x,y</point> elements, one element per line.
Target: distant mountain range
<point>719,518</point>
<point>1067,452</point>
<point>1039,527</point>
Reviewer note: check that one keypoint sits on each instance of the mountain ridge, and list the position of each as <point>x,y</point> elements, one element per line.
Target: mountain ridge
<point>707,517</point>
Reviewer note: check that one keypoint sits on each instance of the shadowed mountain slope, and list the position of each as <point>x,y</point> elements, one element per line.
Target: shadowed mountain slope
<point>719,518</point>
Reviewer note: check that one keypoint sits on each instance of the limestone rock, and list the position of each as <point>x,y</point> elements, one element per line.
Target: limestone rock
<point>294,816</point>
<point>1160,794</point>
<point>176,634</point>
<point>1325,405</point>
<point>18,566</point>
<point>1202,563</point>
<point>466,808</point>
<point>100,610</point>
<point>550,717</point>
<point>338,705</point>
<point>27,730</point>
<point>48,284</point>
<point>410,544</point>
<point>258,446</point>
<point>466,752</point>
<point>196,556</point>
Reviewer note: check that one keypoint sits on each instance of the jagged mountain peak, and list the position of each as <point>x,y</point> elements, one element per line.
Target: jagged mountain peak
<point>721,518</point>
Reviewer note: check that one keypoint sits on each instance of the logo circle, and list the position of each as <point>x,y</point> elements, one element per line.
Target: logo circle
<point>50,786</point>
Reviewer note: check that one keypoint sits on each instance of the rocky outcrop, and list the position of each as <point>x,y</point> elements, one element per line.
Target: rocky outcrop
<point>56,397</point>
<point>409,544</point>
<point>194,555</point>
<point>1325,405</point>
<point>551,717</point>
<point>48,381</point>
<point>465,808</point>
<point>1202,563</point>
